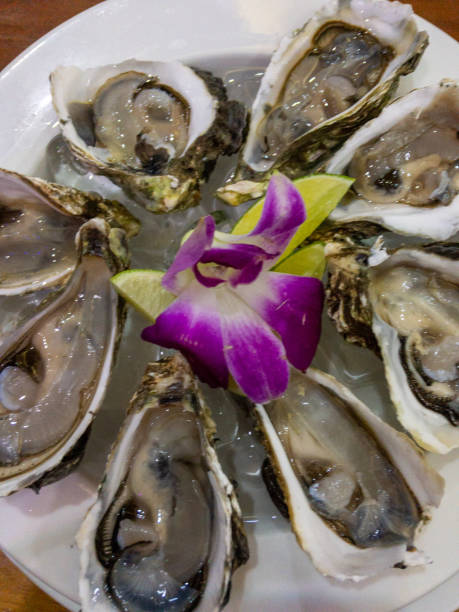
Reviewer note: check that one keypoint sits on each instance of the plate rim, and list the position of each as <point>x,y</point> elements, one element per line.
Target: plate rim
<point>8,70</point>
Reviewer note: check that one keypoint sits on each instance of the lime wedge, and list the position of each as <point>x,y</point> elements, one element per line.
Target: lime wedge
<point>185,236</point>
<point>321,194</point>
<point>308,261</point>
<point>234,387</point>
<point>143,290</point>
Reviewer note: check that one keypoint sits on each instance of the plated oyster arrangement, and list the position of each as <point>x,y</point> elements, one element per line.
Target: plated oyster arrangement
<point>166,529</point>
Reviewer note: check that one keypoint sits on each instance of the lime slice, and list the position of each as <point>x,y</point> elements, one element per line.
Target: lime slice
<point>143,290</point>
<point>308,261</point>
<point>321,194</point>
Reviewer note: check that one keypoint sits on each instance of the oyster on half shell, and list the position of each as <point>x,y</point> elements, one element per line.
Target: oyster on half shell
<point>405,305</point>
<point>154,128</point>
<point>165,531</point>
<point>38,225</point>
<point>323,82</point>
<point>406,165</point>
<point>54,368</point>
<point>356,490</point>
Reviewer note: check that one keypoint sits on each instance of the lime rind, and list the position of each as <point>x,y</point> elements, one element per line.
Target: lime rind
<point>307,261</point>
<point>143,290</point>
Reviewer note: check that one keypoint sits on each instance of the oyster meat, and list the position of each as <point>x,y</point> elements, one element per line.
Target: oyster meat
<point>154,128</point>
<point>356,490</point>
<point>406,165</point>
<point>166,530</point>
<point>16,310</point>
<point>322,83</point>
<point>54,367</point>
<point>406,306</point>
<point>38,225</point>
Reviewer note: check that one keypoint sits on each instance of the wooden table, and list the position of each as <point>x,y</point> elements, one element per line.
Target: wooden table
<point>21,23</point>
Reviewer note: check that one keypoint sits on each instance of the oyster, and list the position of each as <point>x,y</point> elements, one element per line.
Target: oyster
<point>38,225</point>
<point>405,305</point>
<point>406,165</point>
<point>356,490</point>
<point>322,83</point>
<point>166,530</point>
<point>154,128</point>
<point>55,367</point>
<point>16,310</point>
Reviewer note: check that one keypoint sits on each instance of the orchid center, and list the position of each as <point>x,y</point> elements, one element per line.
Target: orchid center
<point>213,271</point>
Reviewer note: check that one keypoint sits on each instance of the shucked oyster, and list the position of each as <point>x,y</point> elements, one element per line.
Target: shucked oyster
<point>406,165</point>
<point>165,532</point>
<point>16,310</point>
<point>154,128</point>
<point>38,225</point>
<point>407,303</point>
<point>356,490</point>
<point>54,369</point>
<point>322,83</point>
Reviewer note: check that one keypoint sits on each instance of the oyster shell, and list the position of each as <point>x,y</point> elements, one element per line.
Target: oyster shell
<point>405,306</point>
<point>166,529</point>
<point>38,225</point>
<point>356,490</point>
<point>55,367</point>
<point>406,165</point>
<point>154,128</point>
<point>322,83</point>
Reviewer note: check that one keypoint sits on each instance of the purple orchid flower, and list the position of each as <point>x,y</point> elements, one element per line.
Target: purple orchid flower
<point>232,314</point>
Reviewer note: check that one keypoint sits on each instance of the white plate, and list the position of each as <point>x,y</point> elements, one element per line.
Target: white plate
<point>37,532</point>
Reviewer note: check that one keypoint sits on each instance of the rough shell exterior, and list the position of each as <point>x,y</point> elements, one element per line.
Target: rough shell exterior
<point>80,203</point>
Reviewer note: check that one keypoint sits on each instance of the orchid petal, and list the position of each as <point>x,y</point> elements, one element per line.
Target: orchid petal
<point>292,306</point>
<point>206,281</point>
<point>188,255</point>
<point>255,356</point>
<point>191,324</point>
<point>283,212</point>
<point>233,255</point>
<point>244,262</point>
<point>247,275</point>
